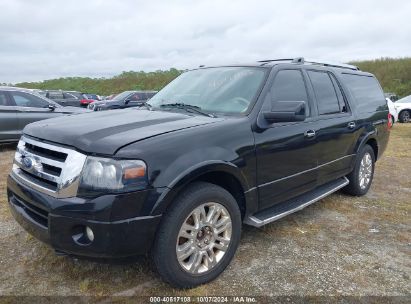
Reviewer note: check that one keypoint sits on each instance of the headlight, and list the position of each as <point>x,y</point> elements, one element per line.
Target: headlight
<point>105,175</point>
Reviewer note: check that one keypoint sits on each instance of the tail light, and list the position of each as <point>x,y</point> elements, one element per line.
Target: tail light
<point>390,121</point>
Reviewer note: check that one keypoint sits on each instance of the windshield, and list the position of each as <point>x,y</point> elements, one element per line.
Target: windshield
<point>91,96</point>
<point>215,90</point>
<point>122,96</point>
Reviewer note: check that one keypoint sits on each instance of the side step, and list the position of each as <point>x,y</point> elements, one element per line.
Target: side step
<point>295,204</point>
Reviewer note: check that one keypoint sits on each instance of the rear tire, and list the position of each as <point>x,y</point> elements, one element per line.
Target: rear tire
<point>362,175</point>
<point>189,249</point>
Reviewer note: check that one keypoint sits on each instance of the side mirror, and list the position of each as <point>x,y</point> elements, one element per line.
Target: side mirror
<point>51,107</point>
<point>127,101</point>
<point>286,111</point>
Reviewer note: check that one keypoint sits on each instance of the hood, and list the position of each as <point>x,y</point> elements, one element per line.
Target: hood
<point>71,110</point>
<point>105,132</point>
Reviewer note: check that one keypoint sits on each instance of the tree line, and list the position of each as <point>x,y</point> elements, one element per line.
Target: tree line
<point>394,75</point>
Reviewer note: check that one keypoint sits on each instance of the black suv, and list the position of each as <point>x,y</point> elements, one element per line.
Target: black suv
<point>217,147</point>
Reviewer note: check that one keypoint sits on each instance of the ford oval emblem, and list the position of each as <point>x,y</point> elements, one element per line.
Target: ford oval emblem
<point>28,162</point>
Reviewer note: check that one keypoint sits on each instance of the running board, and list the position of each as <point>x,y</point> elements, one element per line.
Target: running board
<point>280,210</point>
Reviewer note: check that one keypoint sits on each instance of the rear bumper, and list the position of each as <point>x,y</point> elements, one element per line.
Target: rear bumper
<point>49,220</point>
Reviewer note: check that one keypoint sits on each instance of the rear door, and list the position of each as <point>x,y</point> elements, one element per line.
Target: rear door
<point>286,152</point>
<point>336,133</point>
<point>9,126</point>
<point>30,108</point>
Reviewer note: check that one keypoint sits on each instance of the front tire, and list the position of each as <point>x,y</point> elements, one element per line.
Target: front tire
<point>362,175</point>
<point>198,236</point>
<point>405,116</point>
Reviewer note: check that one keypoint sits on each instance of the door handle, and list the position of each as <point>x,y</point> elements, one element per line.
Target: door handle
<point>351,125</point>
<point>309,133</point>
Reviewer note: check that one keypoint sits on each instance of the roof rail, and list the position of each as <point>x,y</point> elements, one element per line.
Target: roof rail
<point>333,64</point>
<point>270,60</point>
<point>301,60</point>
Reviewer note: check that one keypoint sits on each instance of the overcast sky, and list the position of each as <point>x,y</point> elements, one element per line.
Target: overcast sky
<point>45,39</point>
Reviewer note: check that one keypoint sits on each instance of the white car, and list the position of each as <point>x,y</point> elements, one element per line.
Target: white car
<point>392,109</point>
<point>403,107</point>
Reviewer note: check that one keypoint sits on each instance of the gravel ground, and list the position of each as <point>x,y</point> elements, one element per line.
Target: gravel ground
<point>339,246</point>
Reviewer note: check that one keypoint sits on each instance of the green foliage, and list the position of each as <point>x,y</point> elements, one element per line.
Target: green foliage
<point>393,74</point>
<point>106,86</point>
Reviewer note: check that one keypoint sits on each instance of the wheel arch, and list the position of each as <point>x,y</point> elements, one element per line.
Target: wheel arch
<point>371,140</point>
<point>223,174</point>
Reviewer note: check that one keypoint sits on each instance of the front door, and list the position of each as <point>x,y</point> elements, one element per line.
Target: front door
<point>30,108</point>
<point>286,152</point>
<point>9,126</point>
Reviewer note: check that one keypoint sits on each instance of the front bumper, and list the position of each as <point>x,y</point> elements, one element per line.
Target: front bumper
<point>58,222</point>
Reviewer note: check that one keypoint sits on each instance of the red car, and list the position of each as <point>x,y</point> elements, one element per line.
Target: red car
<point>89,98</point>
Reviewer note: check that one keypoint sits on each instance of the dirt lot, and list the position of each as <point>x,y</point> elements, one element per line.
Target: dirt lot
<point>340,246</point>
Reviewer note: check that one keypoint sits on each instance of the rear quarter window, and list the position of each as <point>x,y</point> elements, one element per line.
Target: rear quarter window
<point>367,93</point>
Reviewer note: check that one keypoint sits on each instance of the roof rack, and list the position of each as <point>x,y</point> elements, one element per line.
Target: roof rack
<point>271,60</point>
<point>301,60</point>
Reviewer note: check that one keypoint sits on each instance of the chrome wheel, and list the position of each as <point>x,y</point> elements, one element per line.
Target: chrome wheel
<point>204,238</point>
<point>365,171</point>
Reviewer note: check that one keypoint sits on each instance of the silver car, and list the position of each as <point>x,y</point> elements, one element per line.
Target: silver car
<point>19,107</point>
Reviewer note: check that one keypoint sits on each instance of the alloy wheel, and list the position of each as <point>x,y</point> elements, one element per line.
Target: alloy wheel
<point>204,238</point>
<point>365,171</point>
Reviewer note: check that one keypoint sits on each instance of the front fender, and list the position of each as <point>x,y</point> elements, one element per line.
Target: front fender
<point>191,174</point>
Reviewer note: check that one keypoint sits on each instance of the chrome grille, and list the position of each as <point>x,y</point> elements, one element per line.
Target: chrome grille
<point>51,169</point>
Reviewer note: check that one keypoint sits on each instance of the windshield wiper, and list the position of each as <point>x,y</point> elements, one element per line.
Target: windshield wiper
<point>147,105</point>
<point>187,107</point>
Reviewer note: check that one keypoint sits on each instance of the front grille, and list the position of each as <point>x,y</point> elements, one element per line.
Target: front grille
<point>55,155</point>
<point>41,181</point>
<point>49,168</point>
<point>37,214</point>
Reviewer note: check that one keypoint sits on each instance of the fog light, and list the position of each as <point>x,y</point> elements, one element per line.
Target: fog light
<point>89,233</point>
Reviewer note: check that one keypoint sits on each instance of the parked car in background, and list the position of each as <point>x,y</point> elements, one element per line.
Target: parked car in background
<point>393,110</point>
<point>19,107</point>
<point>126,99</point>
<point>38,91</point>
<point>110,97</point>
<point>88,99</point>
<point>65,98</point>
<point>403,107</point>
<point>392,96</point>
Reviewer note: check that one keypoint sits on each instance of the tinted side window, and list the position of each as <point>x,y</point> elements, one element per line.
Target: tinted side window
<point>55,95</point>
<point>324,90</point>
<point>367,93</point>
<point>28,100</point>
<point>3,99</point>
<point>135,97</point>
<point>289,86</point>
<point>341,99</point>
<point>69,96</point>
